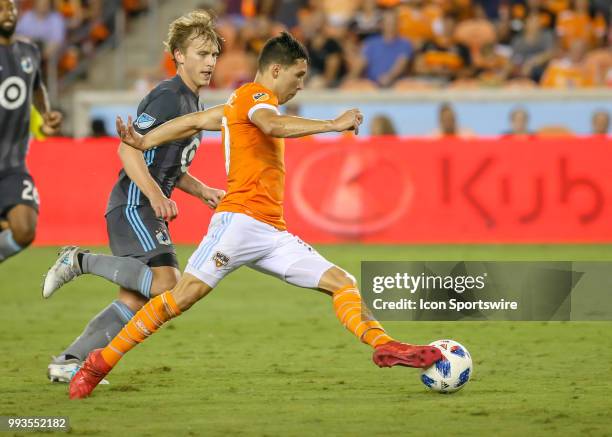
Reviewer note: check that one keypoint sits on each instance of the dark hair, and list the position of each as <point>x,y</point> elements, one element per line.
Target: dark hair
<point>282,49</point>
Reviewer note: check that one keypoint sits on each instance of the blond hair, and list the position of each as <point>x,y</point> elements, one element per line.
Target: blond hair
<point>195,24</point>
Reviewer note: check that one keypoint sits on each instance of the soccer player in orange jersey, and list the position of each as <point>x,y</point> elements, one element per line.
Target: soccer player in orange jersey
<point>248,227</point>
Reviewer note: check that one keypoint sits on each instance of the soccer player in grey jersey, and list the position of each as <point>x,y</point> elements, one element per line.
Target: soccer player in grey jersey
<point>144,262</point>
<point>20,87</point>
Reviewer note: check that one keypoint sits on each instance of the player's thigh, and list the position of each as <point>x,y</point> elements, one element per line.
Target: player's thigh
<point>17,188</point>
<point>138,233</point>
<point>294,262</point>
<point>232,240</point>
<point>19,204</point>
<point>336,278</point>
<point>22,219</point>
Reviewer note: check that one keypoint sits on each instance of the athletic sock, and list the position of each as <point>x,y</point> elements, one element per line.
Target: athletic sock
<point>8,246</point>
<point>147,321</point>
<point>348,307</point>
<point>126,272</point>
<point>100,330</point>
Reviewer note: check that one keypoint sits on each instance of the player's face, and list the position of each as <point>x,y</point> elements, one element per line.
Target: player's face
<point>290,80</point>
<point>198,61</point>
<point>8,18</point>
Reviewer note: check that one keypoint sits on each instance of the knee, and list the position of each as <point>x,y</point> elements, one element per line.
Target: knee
<point>23,233</point>
<point>188,291</point>
<point>335,279</point>
<point>164,280</point>
<point>133,301</point>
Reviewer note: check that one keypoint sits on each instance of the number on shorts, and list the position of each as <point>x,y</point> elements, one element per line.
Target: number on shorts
<point>29,192</point>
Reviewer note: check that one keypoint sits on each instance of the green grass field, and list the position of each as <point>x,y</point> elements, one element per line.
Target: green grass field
<point>259,357</point>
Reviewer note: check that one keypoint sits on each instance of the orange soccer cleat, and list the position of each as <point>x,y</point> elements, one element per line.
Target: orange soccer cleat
<point>93,371</point>
<point>395,353</point>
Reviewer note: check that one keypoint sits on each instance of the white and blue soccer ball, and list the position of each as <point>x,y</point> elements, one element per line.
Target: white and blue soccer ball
<point>452,372</point>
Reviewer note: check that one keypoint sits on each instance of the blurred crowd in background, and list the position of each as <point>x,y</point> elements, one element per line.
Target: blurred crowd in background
<point>68,31</point>
<point>420,44</point>
<point>366,44</point>
<point>371,44</point>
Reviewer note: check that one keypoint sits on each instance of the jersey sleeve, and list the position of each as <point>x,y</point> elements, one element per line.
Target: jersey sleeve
<point>37,60</point>
<point>158,110</point>
<point>251,100</point>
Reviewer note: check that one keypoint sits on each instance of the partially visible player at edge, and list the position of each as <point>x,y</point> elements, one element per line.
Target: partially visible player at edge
<point>144,262</point>
<point>248,227</point>
<point>20,86</point>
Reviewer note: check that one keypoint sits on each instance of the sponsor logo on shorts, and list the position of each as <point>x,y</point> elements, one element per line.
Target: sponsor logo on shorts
<point>260,97</point>
<point>220,259</point>
<point>163,237</point>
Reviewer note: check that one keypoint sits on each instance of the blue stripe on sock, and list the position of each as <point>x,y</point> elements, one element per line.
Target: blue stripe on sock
<point>202,250</point>
<point>145,283</point>
<point>12,243</point>
<point>124,311</point>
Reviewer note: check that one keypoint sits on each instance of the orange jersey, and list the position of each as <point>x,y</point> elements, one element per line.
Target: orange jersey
<point>254,162</point>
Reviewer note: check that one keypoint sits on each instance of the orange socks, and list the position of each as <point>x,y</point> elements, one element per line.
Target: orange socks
<point>145,322</point>
<point>347,305</point>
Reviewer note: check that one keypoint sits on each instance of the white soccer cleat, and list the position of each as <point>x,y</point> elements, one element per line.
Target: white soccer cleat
<point>62,371</point>
<point>65,269</point>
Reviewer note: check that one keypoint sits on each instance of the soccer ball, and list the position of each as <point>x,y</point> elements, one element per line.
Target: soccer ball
<point>450,373</point>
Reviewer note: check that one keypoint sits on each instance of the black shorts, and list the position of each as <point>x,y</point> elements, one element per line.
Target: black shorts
<point>136,232</point>
<point>17,188</point>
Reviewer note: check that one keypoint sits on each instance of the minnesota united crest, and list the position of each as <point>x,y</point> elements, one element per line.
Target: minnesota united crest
<point>163,237</point>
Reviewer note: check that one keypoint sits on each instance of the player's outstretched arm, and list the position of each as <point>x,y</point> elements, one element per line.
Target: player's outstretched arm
<point>192,185</point>
<point>286,126</point>
<point>176,129</point>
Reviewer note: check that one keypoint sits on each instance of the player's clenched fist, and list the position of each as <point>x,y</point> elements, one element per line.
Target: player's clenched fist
<point>349,120</point>
<point>52,122</point>
<point>212,196</point>
<point>164,208</point>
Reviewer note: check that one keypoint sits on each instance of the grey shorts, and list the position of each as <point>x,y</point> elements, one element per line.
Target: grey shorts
<point>17,188</point>
<point>136,232</point>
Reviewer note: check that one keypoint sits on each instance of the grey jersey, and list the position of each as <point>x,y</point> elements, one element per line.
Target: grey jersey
<point>19,77</point>
<point>168,162</point>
